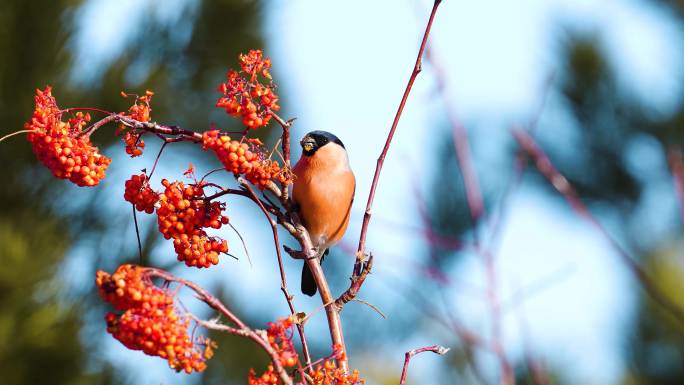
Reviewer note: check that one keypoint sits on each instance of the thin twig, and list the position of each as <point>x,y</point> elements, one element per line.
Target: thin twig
<point>98,124</point>
<point>283,279</point>
<point>226,191</point>
<point>437,349</point>
<point>15,133</point>
<point>370,305</point>
<point>244,245</point>
<point>286,125</point>
<point>179,134</point>
<point>211,172</point>
<point>563,186</point>
<point>357,275</point>
<point>215,325</point>
<point>137,233</point>
<point>156,160</point>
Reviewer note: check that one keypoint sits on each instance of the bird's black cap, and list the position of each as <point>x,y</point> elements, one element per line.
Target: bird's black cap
<point>317,139</point>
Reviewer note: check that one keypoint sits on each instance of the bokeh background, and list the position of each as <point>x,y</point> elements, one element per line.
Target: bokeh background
<point>600,83</point>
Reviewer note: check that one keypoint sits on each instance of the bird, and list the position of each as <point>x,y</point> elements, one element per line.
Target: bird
<point>323,193</point>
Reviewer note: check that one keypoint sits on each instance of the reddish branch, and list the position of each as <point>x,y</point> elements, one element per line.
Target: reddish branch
<point>332,311</point>
<point>563,186</point>
<point>285,142</point>
<point>240,329</point>
<point>360,271</point>
<point>283,279</point>
<point>178,134</point>
<point>407,358</point>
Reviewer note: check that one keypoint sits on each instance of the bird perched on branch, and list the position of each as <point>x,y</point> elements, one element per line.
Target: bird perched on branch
<point>323,190</point>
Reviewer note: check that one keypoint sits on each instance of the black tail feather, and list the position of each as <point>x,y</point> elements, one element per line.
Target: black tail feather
<point>308,283</point>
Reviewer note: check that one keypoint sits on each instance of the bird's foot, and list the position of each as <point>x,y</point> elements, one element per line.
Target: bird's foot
<point>300,254</point>
<point>296,254</point>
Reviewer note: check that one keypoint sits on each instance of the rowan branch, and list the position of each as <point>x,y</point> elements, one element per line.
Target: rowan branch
<point>283,279</point>
<point>357,275</point>
<point>178,133</point>
<point>332,311</point>
<point>285,143</point>
<point>437,349</point>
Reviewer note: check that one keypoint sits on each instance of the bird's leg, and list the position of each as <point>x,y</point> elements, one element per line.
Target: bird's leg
<point>300,254</point>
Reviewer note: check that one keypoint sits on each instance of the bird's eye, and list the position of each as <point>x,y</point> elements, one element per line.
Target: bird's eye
<point>308,146</point>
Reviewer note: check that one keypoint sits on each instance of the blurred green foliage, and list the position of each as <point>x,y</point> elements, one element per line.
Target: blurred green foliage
<point>39,326</point>
<point>38,336</point>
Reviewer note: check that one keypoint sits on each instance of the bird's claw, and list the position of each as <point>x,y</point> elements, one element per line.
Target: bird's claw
<point>300,254</point>
<point>296,254</point>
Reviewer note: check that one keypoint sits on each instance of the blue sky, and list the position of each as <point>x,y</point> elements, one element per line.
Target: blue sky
<point>345,65</point>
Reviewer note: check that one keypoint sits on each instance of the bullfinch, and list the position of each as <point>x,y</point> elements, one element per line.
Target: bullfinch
<point>323,192</point>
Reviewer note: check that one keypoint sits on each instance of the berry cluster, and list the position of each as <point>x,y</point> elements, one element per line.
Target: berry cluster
<point>129,288</point>
<point>134,143</point>
<point>246,95</point>
<point>182,216</point>
<point>61,146</point>
<point>329,374</point>
<point>269,377</point>
<point>139,111</point>
<point>149,321</point>
<point>245,158</point>
<point>280,337</point>
<point>140,194</point>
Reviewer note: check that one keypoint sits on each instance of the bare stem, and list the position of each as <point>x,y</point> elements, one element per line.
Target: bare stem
<point>15,133</point>
<point>437,349</point>
<point>332,311</point>
<point>179,134</point>
<point>137,233</point>
<point>285,141</point>
<point>357,275</point>
<point>283,278</point>
<point>156,160</point>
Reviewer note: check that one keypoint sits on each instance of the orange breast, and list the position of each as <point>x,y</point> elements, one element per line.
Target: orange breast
<point>324,190</point>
